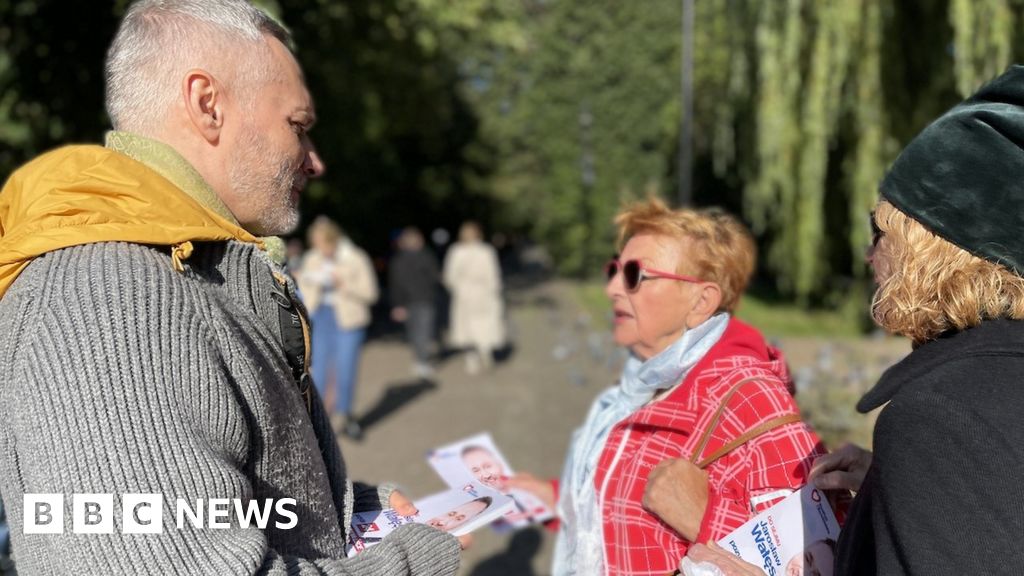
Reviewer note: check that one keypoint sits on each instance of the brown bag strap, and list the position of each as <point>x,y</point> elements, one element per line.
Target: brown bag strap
<point>742,439</point>
<point>748,436</point>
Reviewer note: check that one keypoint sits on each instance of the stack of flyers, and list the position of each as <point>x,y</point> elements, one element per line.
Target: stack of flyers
<point>477,459</point>
<point>457,512</point>
<point>796,536</point>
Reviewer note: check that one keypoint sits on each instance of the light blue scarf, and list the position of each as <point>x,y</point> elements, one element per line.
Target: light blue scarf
<point>580,545</point>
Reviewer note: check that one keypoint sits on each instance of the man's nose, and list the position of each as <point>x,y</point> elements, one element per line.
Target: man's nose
<point>313,165</point>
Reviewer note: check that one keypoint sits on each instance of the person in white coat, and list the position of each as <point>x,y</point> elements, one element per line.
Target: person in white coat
<point>338,285</point>
<point>473,276</point>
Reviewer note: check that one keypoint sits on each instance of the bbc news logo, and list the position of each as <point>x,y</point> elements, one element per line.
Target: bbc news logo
<point>144,513</point>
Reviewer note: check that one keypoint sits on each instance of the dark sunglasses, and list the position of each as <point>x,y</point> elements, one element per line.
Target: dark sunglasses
<point>634,273</point>
<point>876,232</point>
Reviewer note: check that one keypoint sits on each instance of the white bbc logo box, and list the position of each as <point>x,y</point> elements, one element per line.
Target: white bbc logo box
<point>93,513</point>
<point>44,513</point>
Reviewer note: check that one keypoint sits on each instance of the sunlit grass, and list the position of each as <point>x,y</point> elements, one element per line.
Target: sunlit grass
<point>785,320</point>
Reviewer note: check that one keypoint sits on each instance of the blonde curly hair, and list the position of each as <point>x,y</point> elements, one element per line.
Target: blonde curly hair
<point>722,249</point>
<point>934,286</point>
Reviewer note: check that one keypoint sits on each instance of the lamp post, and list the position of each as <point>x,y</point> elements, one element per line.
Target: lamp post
<point>686,114</point>
<point>587,177</point>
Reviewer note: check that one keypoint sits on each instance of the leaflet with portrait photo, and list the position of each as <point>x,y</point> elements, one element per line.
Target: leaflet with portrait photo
<point>458,511</point>
<point>477,459</point>
<point>794,537</point>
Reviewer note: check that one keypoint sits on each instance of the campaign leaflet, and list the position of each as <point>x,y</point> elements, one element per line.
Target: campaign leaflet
<point>796,536</point>
<point>477,459</point>
<point>457,511</point>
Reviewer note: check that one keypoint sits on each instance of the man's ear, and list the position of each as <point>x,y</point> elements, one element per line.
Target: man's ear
<point>204,104</point>
<point>708,300</point>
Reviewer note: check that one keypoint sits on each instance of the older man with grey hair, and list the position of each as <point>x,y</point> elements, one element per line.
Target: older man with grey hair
<point>156,411</point>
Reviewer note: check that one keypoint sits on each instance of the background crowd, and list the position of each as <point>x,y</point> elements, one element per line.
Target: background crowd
<point>338,285</point>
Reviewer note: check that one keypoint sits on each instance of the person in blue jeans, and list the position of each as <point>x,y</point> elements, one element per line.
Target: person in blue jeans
<point>5,540</point>
<point>338,285</point>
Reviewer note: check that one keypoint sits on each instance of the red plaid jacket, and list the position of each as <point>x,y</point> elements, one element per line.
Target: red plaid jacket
<point>637,542</point>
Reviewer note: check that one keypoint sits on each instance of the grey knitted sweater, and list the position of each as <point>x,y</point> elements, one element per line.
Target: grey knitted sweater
<point>119,375</point>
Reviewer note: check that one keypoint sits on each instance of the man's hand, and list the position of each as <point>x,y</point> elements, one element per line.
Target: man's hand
<point>399,503</point>
<point>729,564</point>
<point>399,314</point>
<point>677,492</point>
<point>843,469</point>
<point>542,489</point>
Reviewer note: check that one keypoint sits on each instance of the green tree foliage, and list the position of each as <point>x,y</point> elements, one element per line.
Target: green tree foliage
<point>583,119</point>
<point>866,76</point>
<point>982,36</point>
<point>839,86</point>
<point>545,116</point>
<point>398,137</point>
<point>51,75</point>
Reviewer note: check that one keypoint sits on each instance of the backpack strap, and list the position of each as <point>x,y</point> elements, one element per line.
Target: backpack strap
<point>740,440</point>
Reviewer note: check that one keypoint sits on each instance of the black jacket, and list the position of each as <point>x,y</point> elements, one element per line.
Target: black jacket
<point>945,492</point>
<point>413,278</point>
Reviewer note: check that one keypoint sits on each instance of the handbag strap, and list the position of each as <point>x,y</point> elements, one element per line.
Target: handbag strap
<point>740,440</point>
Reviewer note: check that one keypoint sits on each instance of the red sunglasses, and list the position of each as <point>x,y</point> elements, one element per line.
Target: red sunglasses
<point>634,273</point>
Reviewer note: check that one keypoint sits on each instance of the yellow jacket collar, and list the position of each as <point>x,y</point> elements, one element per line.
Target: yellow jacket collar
<point>167,162</point>
<point>83,194</point>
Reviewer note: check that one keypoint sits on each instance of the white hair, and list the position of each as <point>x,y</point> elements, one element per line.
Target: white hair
<point>160,40</point>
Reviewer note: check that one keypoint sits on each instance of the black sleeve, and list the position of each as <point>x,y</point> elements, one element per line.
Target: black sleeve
<point>433,267</point>
<point>398,281</point>
<point>948,489</point>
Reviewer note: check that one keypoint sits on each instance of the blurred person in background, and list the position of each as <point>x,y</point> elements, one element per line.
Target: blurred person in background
<point>294,251</point>
<point>151,346</point>
<point>942,495</point>
<point>338,286</point>
<point>413,279</point>
<point>473,277</point>
<point>701,432</point>
<point>5,542</point>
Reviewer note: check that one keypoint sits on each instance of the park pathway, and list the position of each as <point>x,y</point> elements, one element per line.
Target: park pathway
<point>530,403</point>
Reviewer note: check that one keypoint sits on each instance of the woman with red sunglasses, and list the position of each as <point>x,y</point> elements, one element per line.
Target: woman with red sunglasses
<point>633,496</point>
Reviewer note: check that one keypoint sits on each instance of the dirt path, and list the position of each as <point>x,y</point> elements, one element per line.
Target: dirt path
<point>530,404</point>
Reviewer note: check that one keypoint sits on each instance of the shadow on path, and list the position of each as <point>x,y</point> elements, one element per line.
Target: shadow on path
<point>516,560</point>
<point>395,396</point>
